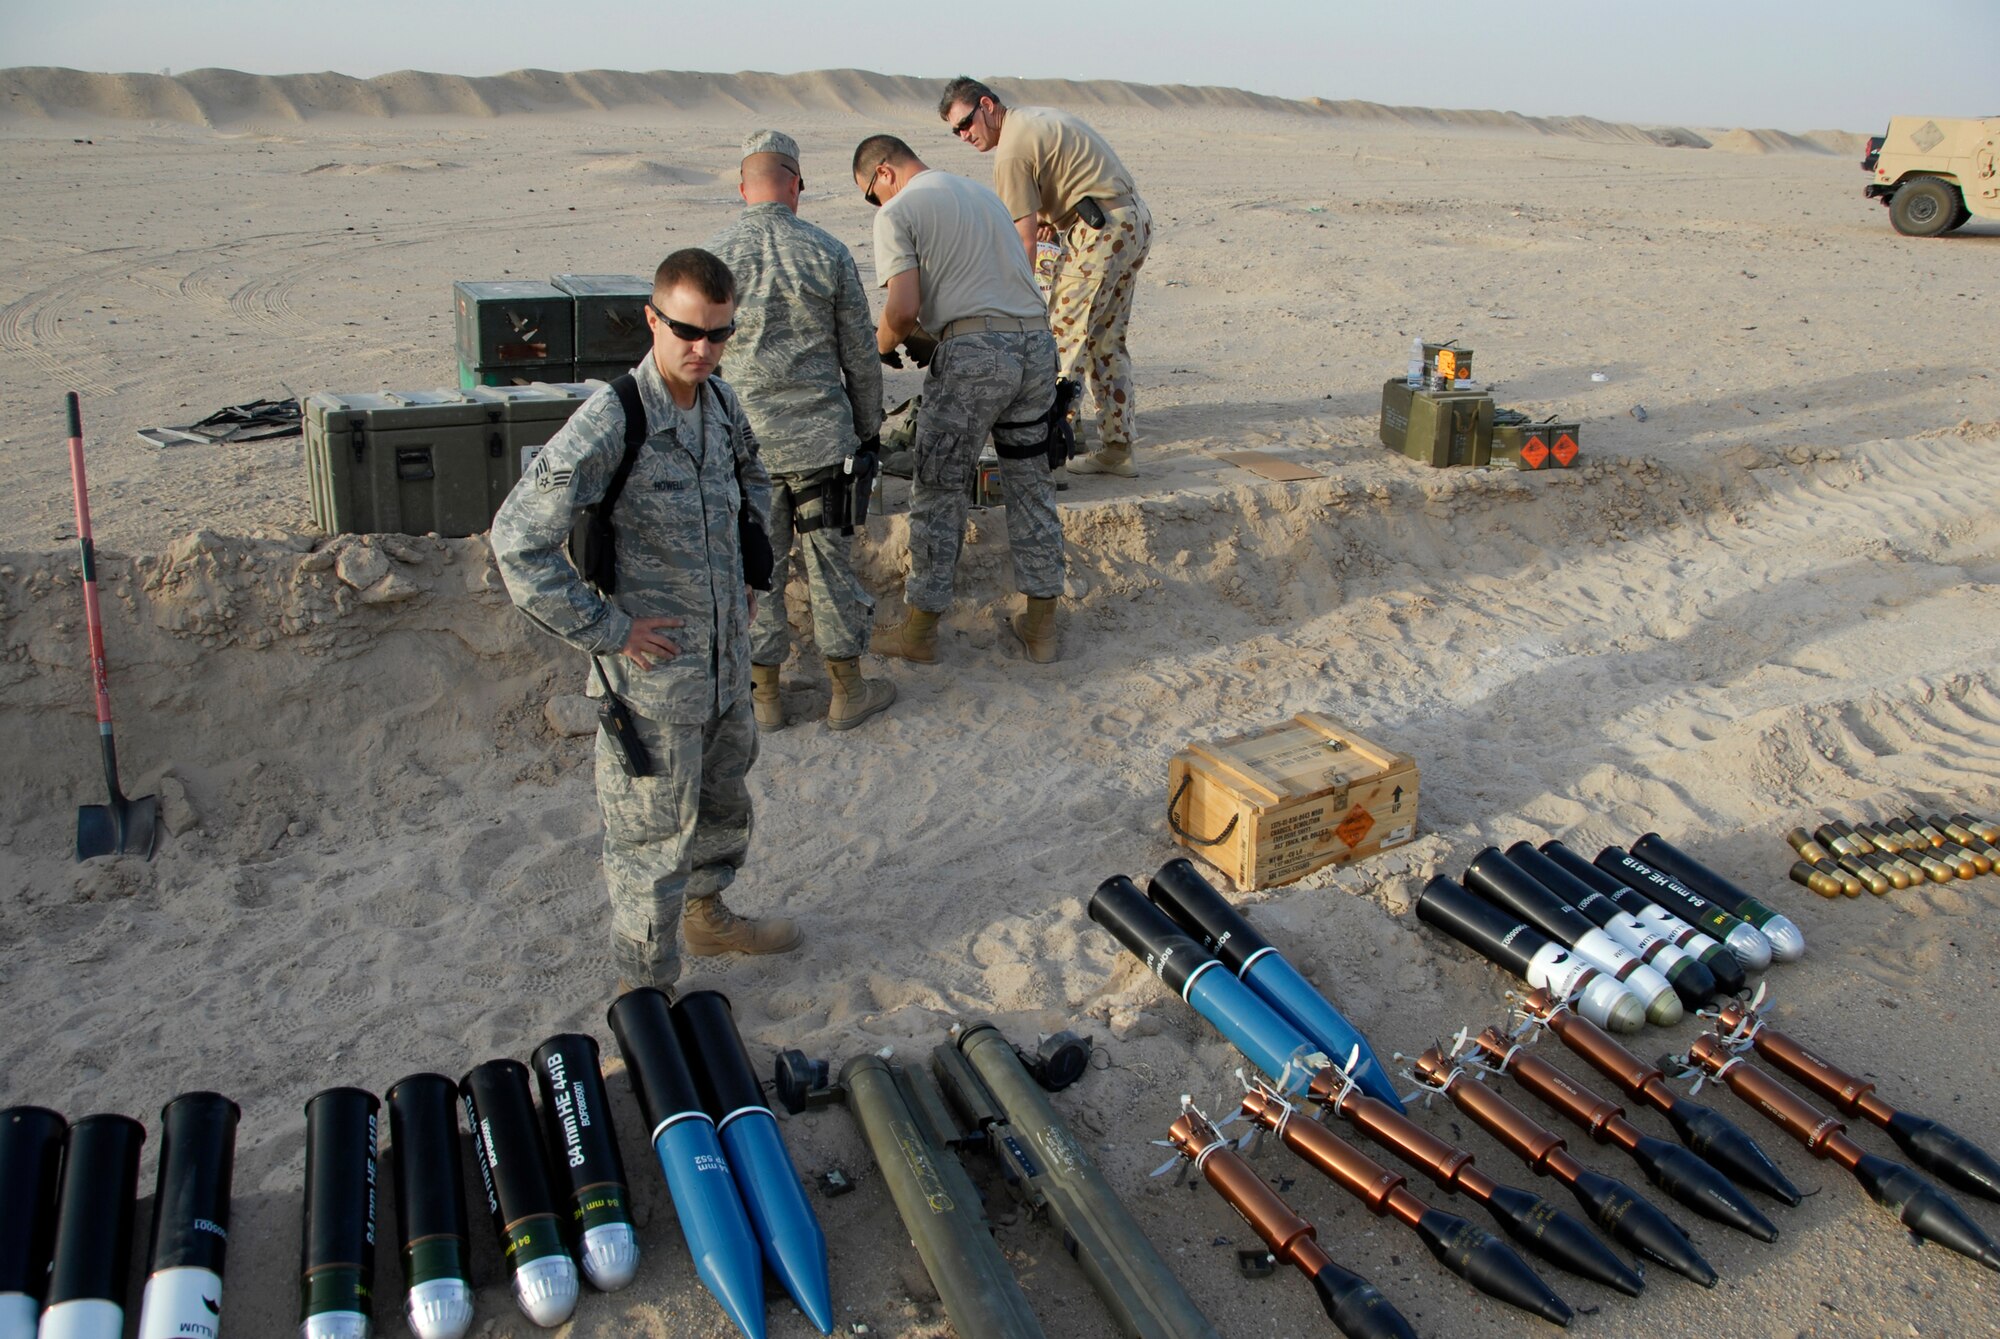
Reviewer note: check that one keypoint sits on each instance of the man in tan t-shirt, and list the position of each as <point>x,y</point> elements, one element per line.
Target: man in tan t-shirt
<point>1057,175</point>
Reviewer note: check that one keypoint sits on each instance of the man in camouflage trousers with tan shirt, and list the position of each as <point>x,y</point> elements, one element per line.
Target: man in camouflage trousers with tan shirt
<point>803,359</point>
<point>1058,176</point>
<point>672,641</point>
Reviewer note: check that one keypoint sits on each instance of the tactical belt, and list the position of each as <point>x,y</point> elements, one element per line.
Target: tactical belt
<point>973,325</point>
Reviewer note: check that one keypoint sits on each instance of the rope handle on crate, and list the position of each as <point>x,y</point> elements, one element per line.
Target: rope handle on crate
<point>1181,832</point>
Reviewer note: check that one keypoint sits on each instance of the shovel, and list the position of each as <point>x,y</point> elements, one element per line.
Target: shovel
<point>123,826</point>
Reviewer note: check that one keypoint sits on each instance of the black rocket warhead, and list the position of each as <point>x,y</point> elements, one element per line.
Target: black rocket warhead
<point>1561,1239</point>
<point>1946,1154</point>
<point>1700,1187</point>
<point>1925,1210</point>
<point>1726,1148</point>
<point>1490,1265</point>
<point>1635,1223</point>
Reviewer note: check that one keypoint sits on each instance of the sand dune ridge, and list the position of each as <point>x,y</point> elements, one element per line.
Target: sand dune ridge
<point>218,98</point>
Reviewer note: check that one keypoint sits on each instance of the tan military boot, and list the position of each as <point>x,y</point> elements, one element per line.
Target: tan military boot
<point>1036,627</point>
<point>1110,460</point>
<point>709,928</point>
<point>915,638</point>
<point>855,699</point>
<point>764,697</point>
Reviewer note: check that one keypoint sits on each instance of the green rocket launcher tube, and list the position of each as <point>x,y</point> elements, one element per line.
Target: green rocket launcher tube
<point>1135,1285</point>
<point>430,1206</point>
<point>939,1205</point>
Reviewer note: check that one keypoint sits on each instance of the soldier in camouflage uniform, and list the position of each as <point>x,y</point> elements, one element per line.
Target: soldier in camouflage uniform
<point>946,251</point>
<point>803,360</point>
<point>1059,177</point>
<point>673,641</point>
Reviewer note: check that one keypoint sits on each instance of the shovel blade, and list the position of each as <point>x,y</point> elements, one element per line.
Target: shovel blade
<point>124,827</point>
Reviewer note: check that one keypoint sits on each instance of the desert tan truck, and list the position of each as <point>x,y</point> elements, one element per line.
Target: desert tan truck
<point>1935,172</point>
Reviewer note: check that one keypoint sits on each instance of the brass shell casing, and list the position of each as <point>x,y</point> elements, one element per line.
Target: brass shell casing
<point>1899,874</point>
<point>1826,885</point>
<point>1858,875</point>
<point>1983,828</point>
<point>1870,835</point>
<point>1837,841</point>
<point>1802,841</point>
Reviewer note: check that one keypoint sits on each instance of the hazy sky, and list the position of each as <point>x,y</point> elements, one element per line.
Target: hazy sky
<point>1840,64</point>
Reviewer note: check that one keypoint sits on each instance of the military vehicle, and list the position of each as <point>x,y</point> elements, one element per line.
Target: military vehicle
<point>1935,173</point>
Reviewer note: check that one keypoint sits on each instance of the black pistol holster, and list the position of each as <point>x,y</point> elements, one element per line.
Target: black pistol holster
<point>1058,442</point>
<point>842,498</point>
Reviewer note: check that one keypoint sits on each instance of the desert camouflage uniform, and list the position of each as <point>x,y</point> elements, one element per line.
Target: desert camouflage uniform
<point>975,382</point>
<point>803,359</point>
<point>1090,305</point>
<point>684,830</point>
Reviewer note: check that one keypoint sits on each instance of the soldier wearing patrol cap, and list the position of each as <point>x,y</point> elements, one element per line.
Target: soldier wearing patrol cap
<point>804,362</point>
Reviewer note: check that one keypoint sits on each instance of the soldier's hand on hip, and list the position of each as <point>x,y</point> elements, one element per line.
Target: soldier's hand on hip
<point>645,642</point>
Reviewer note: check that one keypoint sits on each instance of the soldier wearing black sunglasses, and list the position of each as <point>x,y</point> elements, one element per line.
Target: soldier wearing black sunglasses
<point>668,630</point>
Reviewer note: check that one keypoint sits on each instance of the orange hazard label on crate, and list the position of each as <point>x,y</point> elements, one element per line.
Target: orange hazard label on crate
<point>1564,450</point>
<point>1354,828</point>
<point>1534,452</point>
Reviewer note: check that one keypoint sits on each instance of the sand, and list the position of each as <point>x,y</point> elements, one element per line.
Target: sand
<point>1771,600</point>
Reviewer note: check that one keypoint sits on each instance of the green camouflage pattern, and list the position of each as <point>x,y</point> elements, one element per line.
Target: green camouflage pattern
<point>803,356</point>
<point>1090,306</point>
<point>976,381</point>
<point>841,607</point>
<point>678,551</point>
<point>679,833</point>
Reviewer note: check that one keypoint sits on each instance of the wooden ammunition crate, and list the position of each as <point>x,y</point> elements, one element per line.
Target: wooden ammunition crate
<point>1272,806</point>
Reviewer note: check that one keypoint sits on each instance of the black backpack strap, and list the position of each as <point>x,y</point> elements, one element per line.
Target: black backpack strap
<point>627,387</point>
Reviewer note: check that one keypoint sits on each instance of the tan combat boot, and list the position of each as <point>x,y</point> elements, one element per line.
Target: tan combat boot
<point>709,928</point>
<point>915,638</point>
<point>855,699</point>
<point>1036,627</point>
<point>1110,460</point>
<point>764,697</point>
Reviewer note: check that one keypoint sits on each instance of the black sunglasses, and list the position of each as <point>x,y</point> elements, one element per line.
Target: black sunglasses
<point>693,334</point>
<point>961,127</point>
<point>869,194</point>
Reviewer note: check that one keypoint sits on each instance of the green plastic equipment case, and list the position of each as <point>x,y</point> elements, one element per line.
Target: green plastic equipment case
<point>1439,428</point>
<point>513,332</point>
<point>610,319</point>
<point>534,413</point>
<point>424,462</point>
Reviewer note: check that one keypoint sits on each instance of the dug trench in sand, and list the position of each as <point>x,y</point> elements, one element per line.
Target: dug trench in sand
<point>1771,600</point>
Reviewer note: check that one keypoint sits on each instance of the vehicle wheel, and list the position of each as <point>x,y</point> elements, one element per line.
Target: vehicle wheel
<point>1925,207</point>
<point>1960,219</point>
